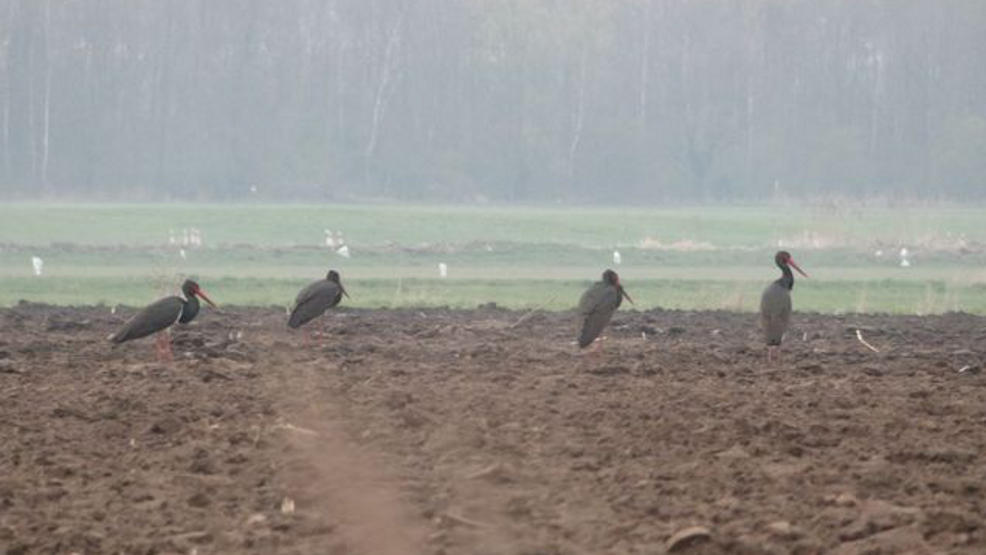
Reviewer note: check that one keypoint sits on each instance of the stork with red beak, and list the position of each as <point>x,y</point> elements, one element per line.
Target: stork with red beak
<point>597,305</point>
<point>775,304</point>
<point>161,315</point>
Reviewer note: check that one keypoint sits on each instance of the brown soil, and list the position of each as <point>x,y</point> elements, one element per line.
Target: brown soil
<point>454,432</point>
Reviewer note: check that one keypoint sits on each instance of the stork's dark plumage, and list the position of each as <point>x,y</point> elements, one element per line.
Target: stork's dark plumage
<point>315,299</point>
<point>597,305</point>
<point>775,303</point>
<point>161,315</point>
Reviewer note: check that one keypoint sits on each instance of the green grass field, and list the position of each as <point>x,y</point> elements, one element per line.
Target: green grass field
<point>368,225</point>
<point>711,258</point>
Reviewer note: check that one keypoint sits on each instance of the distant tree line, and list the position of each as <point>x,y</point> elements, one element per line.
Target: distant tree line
<point>506,100</point>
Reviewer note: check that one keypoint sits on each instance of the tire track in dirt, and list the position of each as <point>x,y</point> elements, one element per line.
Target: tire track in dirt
<point>375,503</point>
<point>334,480</point>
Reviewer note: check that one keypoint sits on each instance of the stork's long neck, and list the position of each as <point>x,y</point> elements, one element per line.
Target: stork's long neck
<point>190,309</point>
<point>787,280</point>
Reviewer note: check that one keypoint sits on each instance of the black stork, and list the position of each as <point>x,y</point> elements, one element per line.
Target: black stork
<point>161,315</point>
<point>315,299</point>
<point>775,304</point>
<point>597,306</point>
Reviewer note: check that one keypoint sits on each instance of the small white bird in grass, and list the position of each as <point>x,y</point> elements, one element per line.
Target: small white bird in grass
<point>617,259</point>
<point>904,262</point>
<point>343,251</point>
<point>442,270</point>
<point>38,264</point>
<point>196,237</point>
<point>333,239</point>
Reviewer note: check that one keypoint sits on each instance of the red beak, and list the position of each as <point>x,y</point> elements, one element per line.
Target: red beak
<point>790,261</point>
<point>205,298</point>
<point>625,294</point>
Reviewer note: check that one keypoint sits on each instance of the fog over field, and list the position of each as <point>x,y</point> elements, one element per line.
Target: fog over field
<point>461,153</point>
<point>499,100</point>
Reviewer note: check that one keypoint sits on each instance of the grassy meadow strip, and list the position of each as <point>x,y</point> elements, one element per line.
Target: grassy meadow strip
<point>845,297</point>
<point>820,226</point>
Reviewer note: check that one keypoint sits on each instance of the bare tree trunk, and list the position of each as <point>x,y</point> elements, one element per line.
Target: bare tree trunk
<point>340,89</point>
<point>7,92</point>
<point>162,106</point>
<point>876,100</point>
<point>579,116</point>
<point>31,138</point>
<point>753,69</point>
<point>46,133</point>
<point>6,133</point>
<point>382,95</point>
<point>644,68</point>
<point>750,118</point>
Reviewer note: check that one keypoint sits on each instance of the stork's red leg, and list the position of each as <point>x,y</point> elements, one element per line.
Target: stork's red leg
<point>159,346</point>
<point>162,347</point>
<point>595,348</point>
<point>169,353</point>
<point>772,353</point>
